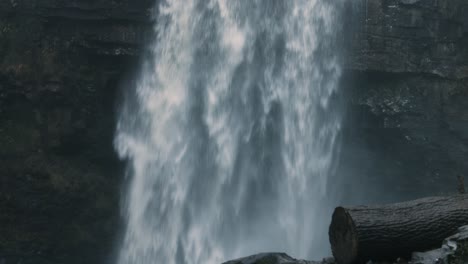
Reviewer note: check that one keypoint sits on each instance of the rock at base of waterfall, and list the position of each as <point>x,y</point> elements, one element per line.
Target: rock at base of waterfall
<point>276,258</point>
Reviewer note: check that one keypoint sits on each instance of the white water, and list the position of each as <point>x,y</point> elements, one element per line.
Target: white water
<point>231,136</point>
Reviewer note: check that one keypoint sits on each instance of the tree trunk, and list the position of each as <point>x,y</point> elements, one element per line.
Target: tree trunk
<point>359,234</point>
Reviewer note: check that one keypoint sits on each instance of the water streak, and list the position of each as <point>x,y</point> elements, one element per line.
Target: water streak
<point>230,140</point>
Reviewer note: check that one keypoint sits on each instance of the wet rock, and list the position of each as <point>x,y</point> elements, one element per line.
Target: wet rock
<point>276,258</point>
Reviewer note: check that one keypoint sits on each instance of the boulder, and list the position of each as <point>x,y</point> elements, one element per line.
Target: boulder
<point>276,258</point>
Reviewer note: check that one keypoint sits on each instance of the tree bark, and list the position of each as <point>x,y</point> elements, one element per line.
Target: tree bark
<point>386,232</point>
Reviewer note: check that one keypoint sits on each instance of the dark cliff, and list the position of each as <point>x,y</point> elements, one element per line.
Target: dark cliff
<point>406,133</point>
<point>61,63</point>
<point>61,66</point>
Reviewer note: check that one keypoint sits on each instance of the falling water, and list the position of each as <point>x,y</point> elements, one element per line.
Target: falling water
<point>230,140</point>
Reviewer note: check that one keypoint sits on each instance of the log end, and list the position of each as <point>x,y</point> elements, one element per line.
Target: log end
<point>343,237</point>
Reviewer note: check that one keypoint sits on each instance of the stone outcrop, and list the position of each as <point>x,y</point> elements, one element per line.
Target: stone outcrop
<point>62,64</point>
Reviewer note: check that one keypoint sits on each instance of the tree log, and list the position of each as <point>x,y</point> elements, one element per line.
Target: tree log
<point>386,232</point>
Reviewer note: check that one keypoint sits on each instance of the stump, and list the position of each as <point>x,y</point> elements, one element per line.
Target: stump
<point>386,232</point>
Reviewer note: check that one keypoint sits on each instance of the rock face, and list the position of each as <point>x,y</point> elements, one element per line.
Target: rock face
<point>406,133</point>
<point>61,66</point>
<point>411,36</point>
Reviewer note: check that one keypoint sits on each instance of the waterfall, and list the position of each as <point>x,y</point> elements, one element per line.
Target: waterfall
<point>231,134</point>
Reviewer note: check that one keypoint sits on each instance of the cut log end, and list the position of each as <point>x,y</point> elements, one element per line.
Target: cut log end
<point>343,237</point>
<point>387,232</point>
